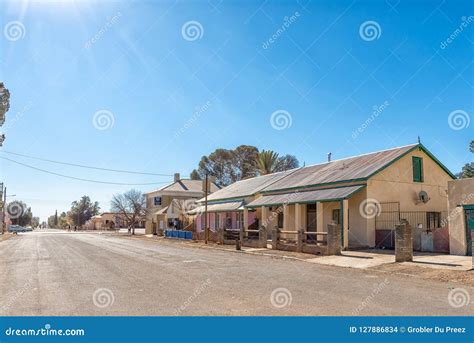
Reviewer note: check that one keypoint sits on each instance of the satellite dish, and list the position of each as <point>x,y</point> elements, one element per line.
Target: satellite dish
<point>423,197</point>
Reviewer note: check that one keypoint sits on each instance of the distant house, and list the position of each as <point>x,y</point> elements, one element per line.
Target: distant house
<point>110,220</point>
<point>167,205</point>
<point>367,195</point>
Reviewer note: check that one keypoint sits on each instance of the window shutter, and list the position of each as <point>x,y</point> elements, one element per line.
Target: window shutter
<point>417,169</point>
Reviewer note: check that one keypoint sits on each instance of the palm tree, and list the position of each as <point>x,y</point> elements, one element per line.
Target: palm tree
<point>267,162</point>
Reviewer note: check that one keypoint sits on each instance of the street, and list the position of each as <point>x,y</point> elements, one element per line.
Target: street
<point>72,274</point>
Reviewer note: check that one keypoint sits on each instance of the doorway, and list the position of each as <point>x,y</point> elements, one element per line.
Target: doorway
<point>469,212</point>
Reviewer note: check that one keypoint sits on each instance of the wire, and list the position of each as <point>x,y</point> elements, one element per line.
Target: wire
<point>81,179</point>
<point>83,166</point>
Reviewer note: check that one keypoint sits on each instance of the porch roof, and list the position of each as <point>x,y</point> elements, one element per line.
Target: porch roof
<point>328,194</point>
<point>219,207</point>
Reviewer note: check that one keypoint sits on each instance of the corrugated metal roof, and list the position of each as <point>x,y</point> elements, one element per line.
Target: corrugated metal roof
<point>352,168</point>
<point>247,187</point>
<point>305,197</point>
<point>219,207</point>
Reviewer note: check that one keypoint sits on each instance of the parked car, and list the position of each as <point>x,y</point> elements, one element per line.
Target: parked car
<point>16,228</point>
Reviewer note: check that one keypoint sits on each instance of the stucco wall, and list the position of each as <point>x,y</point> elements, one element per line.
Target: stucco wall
<point>460,192</point>
<point>395,184</point>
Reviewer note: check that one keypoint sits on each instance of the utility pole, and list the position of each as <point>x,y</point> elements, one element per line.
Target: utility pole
<point>4,207</point>
<point>206,229</point>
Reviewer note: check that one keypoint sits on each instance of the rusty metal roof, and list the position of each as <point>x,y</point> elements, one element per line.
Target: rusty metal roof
<point>344,170</point>
<point>247,187</point>
<point>328,194</point>
<point>219,207</point>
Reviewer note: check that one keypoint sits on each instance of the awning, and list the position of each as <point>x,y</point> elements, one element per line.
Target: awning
<point>328,194</point>
<point>219,207</point>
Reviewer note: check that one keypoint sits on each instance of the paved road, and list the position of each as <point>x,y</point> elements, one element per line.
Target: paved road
<point>100,274</point>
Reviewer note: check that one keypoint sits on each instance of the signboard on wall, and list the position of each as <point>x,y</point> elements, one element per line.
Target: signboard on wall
<point>157,201</point>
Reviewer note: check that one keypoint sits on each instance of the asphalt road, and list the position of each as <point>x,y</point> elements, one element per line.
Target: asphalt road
<point>100,274</point>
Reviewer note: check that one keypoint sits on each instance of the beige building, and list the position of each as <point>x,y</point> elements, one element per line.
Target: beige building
<point>366,194</point>
<point>109,220</point>
<point>461,216</point>
<point>167,205</point>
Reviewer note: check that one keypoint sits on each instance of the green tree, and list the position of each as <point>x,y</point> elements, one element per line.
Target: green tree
<point>244,160</point>
<point>267,162</point>
<point>468,169</point>
<point>195,175</point>
<point>287,162</point>
<point>219,164</point>
<point>83,210</point>
<point>132,206</point>
<point>56,219</point>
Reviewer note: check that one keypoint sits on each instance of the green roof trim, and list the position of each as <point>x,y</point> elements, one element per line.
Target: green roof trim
<point>420,147</point>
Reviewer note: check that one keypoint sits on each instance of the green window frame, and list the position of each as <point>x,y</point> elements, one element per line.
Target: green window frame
<point>417,169</point>
<point>336,216</point>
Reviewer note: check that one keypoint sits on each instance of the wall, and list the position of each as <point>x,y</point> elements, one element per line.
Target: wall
<point>395,184</point>
<point>460,192</point>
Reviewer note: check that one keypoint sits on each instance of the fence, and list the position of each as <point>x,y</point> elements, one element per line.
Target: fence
<point>427,227</point>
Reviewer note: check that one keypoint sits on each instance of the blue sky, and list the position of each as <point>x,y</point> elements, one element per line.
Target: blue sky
<point>175,80</point>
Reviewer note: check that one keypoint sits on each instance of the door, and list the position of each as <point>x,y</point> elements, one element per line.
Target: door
<point>469,229</point>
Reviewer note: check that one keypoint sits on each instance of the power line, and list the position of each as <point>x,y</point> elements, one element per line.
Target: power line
<point>82,179</point>
<point>83,166</point>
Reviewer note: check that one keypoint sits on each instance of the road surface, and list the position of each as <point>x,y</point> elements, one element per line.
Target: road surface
<point>58,273</point>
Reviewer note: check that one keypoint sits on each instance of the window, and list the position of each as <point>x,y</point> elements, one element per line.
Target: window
<point>433,220</point>
<point>336,216</point>
<point>417,169</point>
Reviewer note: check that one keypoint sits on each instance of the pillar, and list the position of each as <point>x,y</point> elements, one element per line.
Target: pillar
<point>299,227</point>
<point>345,223</point>
<point>320,219</point>
<point>286,217</point>
<point>333,239</point>
<point>403,242</point>
<point>265,217</point>
<point>244,227</point>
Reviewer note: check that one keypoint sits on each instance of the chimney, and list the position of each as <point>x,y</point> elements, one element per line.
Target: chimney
<point>329,156</point>
<point>176,177</point>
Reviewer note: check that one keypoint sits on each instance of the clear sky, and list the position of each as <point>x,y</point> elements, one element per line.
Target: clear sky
<point>154,85</point>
